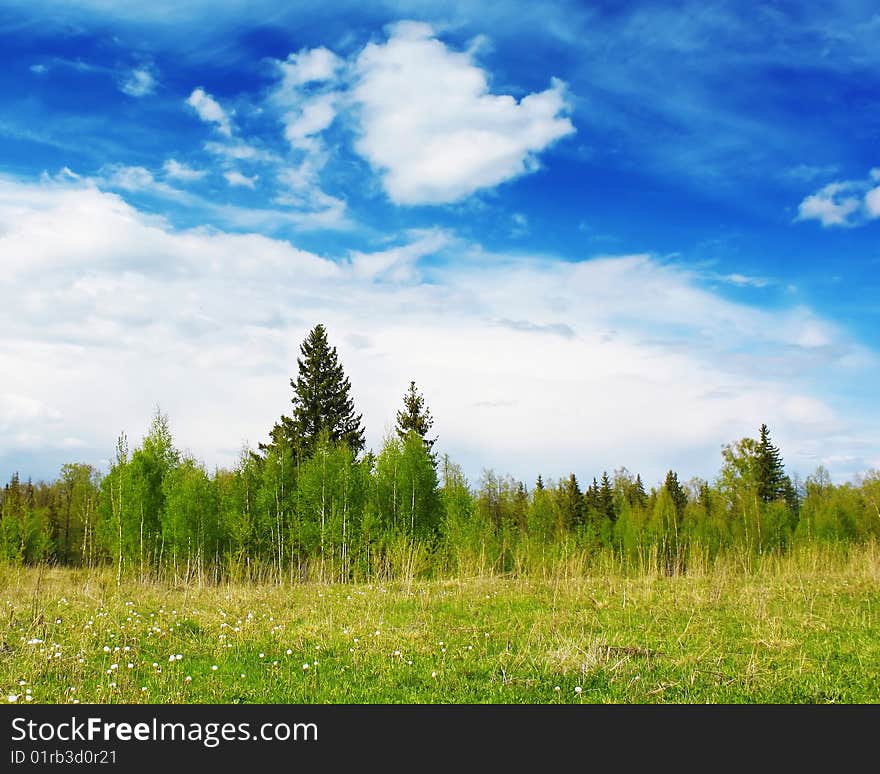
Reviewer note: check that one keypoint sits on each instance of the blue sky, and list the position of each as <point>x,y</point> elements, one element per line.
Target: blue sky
<point>595,234</point>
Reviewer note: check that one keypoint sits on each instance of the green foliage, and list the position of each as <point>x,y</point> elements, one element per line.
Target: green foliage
<point>329,515</point>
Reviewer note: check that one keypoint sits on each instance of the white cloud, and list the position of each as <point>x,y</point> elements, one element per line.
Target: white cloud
<point>398,264</point>
<point>305,67</point>
<point>432,128</point>
<point>129,178</point>
<point>238,151</point>
<point>744,280</point>
<point>210,111</point>
<point>313,116</point>
<point>133,179</point>
<point>872,202</point>
<point>846,203</point>
<point>179,171</point>
<point>236,178</point>
<point>39,69</point>
<point>528,365</point>
<point>139,83</point>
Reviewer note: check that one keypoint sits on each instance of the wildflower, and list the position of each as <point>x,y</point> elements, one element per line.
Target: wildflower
<point>34,641</point>
<point>12,698</point>
<point>187,679</point>
<point>144,688</point>
<point>130,665</point>
<point>178,656</point>
<point>578,689</point>
<point>214,667</point>
<point>28,698</point>
<point>262,655</point>
<point>289,652</point>
<point>305,666</point>
<point>557,689</point>
<point>106,648</point>
<point>434,675</point>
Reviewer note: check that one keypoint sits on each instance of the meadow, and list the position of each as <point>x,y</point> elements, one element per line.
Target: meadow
<point>797,628</point>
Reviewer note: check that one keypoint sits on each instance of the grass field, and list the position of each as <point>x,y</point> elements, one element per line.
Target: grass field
<point>804,628</point>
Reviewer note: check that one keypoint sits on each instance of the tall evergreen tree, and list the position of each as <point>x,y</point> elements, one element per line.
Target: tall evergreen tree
<point>770,472</point>
<point>676,492</point>
<point>416,416</point>
<point>571,503</point>
<point>321,400</point>
<point>636,495</point>
<point>606,499</point>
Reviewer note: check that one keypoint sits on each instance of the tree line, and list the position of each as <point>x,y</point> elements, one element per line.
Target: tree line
<point>310,503</point>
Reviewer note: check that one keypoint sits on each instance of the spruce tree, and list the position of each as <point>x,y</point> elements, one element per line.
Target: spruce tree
<point>415,416</point>
<point>571,501</point>
<point>771,475</point>
<point>321,400</point>
<point>636,495</point>
<point>606,499</point>
<point>676,492</point>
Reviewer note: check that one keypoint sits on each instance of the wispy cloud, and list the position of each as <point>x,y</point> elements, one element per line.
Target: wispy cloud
<point>179,171</point>
<point>139,82</point>
<point>237,179</point>
<point>240,151</point>
<point>210,111</point>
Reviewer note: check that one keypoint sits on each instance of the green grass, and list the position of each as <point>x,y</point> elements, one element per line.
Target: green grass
<point>797,629</point>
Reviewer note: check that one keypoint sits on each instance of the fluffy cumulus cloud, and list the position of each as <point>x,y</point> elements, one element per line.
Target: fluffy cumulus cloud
<point>528,365</point>
<point>846,203</point>
<point>426,119</point>
<point>304,67</point>
<point>210,111</point>
<point>432,127</point>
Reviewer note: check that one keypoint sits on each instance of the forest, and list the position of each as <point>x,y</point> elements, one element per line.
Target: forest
<point>312,504</point>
